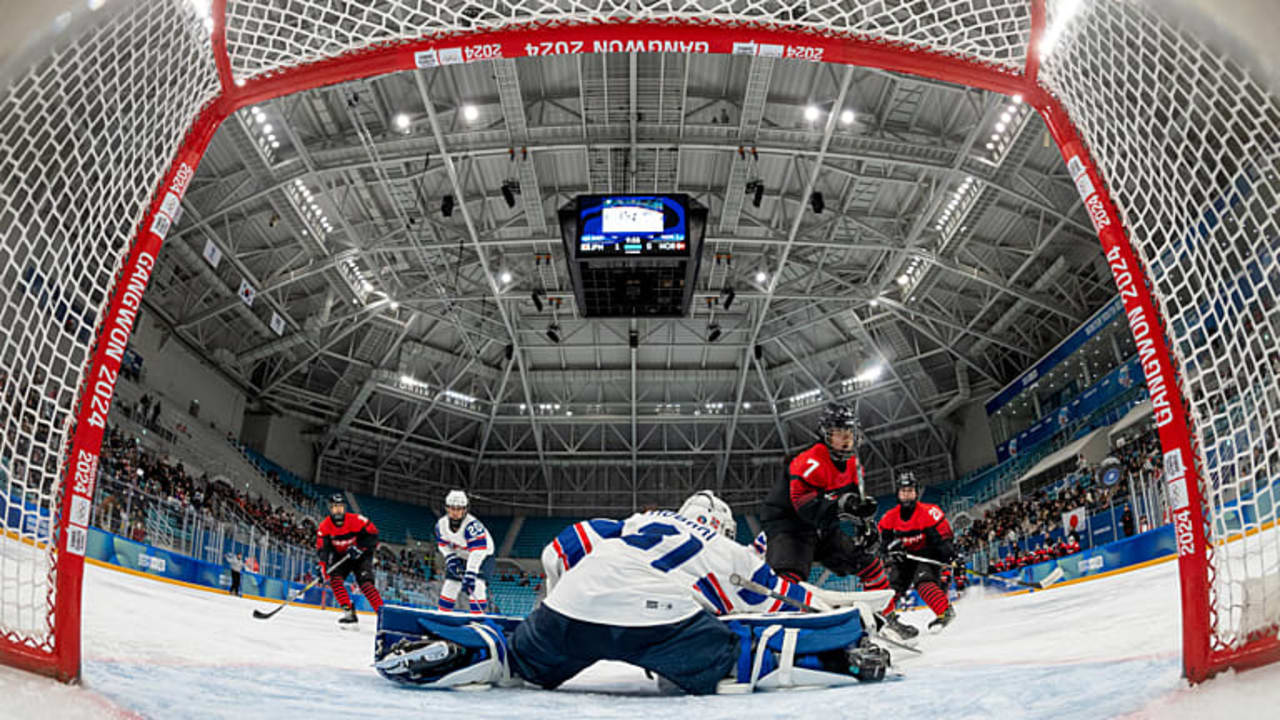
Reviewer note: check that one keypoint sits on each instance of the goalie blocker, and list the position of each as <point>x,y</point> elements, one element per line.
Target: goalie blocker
<point>734,654</point>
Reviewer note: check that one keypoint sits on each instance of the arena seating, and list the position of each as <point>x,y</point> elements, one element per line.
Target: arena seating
<point>397,520</point>
<point>512,597</point>
<point>536,533</point>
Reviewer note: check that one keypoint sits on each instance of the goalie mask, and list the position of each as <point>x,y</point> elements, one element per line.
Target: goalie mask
<point>840,430</point>
<point>704,508</point>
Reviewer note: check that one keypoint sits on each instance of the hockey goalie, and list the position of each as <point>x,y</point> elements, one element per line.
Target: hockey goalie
<point>657,591</point>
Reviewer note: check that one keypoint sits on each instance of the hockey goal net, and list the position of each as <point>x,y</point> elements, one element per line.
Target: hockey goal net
<point>1171,144</point>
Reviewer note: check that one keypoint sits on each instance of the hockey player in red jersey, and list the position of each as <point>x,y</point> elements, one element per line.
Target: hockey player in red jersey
<point>920,529</point>
<point>1073,545</point>
<point>801,514</point>
<point>352,539</point>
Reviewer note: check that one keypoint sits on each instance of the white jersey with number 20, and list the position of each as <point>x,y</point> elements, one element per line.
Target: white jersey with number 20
<point>656,568</point>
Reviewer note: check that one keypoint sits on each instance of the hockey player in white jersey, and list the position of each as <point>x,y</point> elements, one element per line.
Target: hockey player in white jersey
<point>467,548</point>
<point>647,591</point>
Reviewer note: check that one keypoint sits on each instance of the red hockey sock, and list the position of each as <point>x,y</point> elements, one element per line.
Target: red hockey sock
<point>873,576</point>
<point>371,594</point>
<point>934,597</point>
<point>339,591</point>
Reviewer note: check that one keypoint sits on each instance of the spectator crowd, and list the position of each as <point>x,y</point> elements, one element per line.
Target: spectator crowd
<point>133,479</point>
<point>1019,521</point>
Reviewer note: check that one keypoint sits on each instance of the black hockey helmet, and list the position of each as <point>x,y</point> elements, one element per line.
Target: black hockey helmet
<point>338,499</point>
<point>839,416</point>
<point>906,480</point>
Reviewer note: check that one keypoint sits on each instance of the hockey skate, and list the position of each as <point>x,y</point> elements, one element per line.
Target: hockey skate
<point>898,629</point>
<point>349,621</point>
<point>937,624</point>
<point>867,661</point>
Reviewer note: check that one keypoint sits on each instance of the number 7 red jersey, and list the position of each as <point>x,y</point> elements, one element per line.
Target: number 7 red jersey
<point>806,498</point>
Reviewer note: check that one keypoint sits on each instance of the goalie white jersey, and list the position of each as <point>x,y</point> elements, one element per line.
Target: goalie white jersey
<point>654,568</point>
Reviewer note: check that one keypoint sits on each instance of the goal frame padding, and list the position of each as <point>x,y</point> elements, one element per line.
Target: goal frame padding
<point>1199,662</point>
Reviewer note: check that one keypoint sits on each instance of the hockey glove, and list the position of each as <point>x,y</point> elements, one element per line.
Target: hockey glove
<point>894,553</point>
<point>469,583</point>
<point>856,505</point>
<point>354,553</point>
<point>454,567</point>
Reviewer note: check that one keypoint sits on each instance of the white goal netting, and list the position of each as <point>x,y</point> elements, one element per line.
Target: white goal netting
<point>1185,141</point>
<point>1189,145</point>
<point>85,136</point>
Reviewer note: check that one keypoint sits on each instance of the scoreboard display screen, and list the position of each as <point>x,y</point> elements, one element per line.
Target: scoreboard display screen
<point>632,225</point>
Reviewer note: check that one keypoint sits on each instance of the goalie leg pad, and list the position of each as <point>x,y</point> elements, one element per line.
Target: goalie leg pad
<point>816,650</point>
<point>442,650</point>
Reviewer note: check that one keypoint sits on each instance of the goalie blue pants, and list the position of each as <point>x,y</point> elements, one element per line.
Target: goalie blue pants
<point>548,648</point>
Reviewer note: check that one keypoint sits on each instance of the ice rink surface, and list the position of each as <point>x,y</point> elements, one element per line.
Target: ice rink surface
<point>1099,649</point>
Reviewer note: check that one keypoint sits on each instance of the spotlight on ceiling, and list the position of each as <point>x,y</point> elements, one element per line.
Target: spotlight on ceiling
<point>811,113</point>
<point>817,203</point>
<point>504,277</point>
<point>713,332</point>
<point>726,297</point>
<point>402,121</point>
<point>553,333</point>
<point>846,117</point>
<point>470,112</point>
<point>446,205</point>
<point>509,190</point>
<point>761,276</point>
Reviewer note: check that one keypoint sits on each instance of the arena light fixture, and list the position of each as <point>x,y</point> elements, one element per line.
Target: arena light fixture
<point>402,121</point>
<point>811,113</point>
<point>871,374</point>
<point>470,112</point>
<point>846,117</point>
<point>761,276</point>
<point>505,277</point>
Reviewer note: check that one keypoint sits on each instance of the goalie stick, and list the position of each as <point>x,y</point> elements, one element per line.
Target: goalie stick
<point>756,587</point>
<point>1052,577</point>
<point>268,614</point>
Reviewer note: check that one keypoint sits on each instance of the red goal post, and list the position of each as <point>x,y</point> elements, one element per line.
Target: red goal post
<point>1166,140</point>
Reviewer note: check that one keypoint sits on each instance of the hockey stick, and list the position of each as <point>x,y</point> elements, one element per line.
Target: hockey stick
<point>1052,578</point>
<point>759,589</point>
<point>268,614</point>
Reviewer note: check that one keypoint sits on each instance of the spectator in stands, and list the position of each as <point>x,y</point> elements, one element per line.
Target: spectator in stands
<point>1126,521</point>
